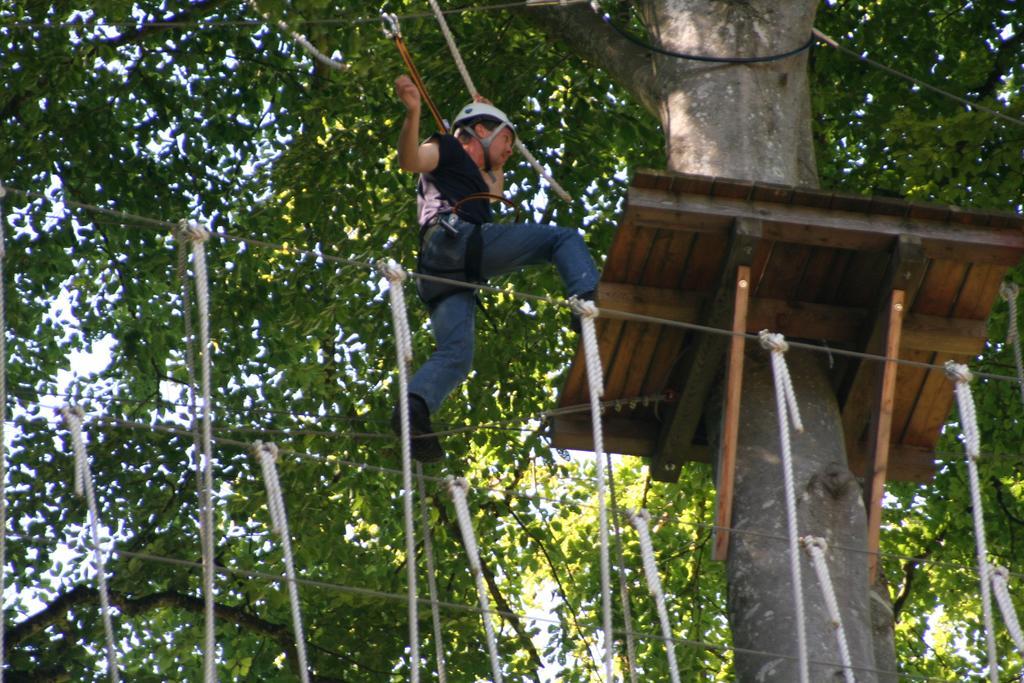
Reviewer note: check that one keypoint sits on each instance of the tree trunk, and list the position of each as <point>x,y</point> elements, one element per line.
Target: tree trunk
<point>829,504</point>
<point>744,121</point>
<point>753,122</point>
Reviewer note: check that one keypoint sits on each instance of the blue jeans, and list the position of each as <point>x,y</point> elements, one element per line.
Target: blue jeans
<point>506,248</point>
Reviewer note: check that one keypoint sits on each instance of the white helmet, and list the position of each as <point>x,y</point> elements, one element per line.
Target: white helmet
<point>480,111</point>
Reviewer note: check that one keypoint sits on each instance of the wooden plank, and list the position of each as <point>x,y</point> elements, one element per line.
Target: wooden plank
<point>676,256</point>
<point>618,254</point>
<point>639,253</point>
<point>705,265</point>
<point>731,416</point>
<point>643,356</point>
<point>666,355</point>
<point>784,271</point>
<point>702,362</point>
<point>838,229</point>
<point>668,252</point>
<point>626,360</point>
<point>881,431</point>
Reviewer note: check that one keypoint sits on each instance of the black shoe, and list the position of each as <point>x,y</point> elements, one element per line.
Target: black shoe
<point>575,324</point>
<point>426,447</point>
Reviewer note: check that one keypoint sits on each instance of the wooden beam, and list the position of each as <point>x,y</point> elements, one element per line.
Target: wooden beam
<point>881,432</point>
<point>826,228</point>
<point>703,361</point>
<point>798,320</point>
<point>731,417</point>
<point>907,271</point>
<point>636,436</point>
<point>621,434</point>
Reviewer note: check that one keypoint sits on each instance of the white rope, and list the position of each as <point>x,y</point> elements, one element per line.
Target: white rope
<point>1010,293</point>
<point>1000,576</point>
<point>816,548</point>
<point>461,65</point>
<point>961,378</point>
<point>786,406</point>
<point>457,489</point>
<point>627,610</point>
<point>302,41</point>
<point>83,486</point>
<point>403,345</point>
<point>640,520</point>
<point>428,550</point>
<point>197,236</point>
<point>266,453</point>
<point>3,421</point>
<point>587,311</point>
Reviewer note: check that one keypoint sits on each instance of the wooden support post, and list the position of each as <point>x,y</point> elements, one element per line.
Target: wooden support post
<point>881,427</point>
<point>731,416</point>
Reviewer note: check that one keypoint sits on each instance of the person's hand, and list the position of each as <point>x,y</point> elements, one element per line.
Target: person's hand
<point>407,93</point>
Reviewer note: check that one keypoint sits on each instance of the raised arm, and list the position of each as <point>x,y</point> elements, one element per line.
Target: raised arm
<point>412,156</point>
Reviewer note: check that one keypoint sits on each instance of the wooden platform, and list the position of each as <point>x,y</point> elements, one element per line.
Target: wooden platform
<point>823,268</point>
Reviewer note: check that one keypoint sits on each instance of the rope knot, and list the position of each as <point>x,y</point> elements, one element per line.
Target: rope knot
<point>814,542</point>
<point>192,231</point>
<point>958,372</point>
<point>258,448</point>
<point>70,412</point>
<point>773,341</point>
<point>641,516</point>
<point>999,572</point>
<point>453,483</point>
<point>584,308</point>
<point>393,271</point>
<point>1009,291</point>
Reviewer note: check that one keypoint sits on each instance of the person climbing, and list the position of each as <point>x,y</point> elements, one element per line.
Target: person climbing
<point>459,173</point>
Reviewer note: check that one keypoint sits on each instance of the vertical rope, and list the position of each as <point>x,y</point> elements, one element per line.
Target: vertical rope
<point>83,486</point>
<point>3,422</point>
<point>428,550</point>
<point>457,490</point>
<point>961,378</point>
<point>468,80</point>
<point>627,610</point>
<point>640,520</point>
<point>197,444</point>
<point>1011,295</point>
<point>1002,592</point>
<point>403,344</point>
<point>197,236</point>
<point>587,311</point>
<point>266,453</point>
<point>786,406</point>
<point>816,547</point>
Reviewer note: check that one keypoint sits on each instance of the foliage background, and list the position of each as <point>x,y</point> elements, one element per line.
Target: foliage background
<point>170,110</point>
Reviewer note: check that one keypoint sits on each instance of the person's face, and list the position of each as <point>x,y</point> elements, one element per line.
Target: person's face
<point>501,144</point>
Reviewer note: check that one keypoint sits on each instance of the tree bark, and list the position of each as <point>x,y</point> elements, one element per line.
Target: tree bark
<point>743,121</point>
<point>829,504</point>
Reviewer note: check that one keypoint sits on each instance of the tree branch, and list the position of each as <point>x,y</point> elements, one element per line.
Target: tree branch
<point>583,32</point>
<point>192,14</point>
<point>86,595</point>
